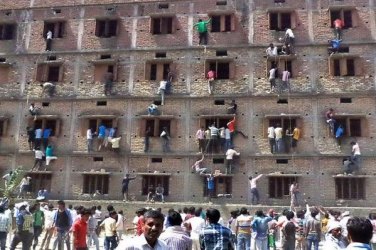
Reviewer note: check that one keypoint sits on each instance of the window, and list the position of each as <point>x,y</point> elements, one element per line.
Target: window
<point>352,126</point>
<point>40,181</point>
<point>345,67</point>
<point>280,21</point>
<point>283,64</point>
<point>46,121</point>
<point>94,122</point>
<point>346,15</point>
<point>156,125</point>
<point>104,70</point>
<point>94,182</point>
<point>3,126</point>
<point>222,185</point>
<point>50,72</point>
<point>279,187</point>
<point>348,188</point>
<point>161,25</point>
<point>157,71</point>
<point>345,100</point>
<point>4,73</point>
<point>218,121</point>
<point>287,123</point>
<point>7,31</point>
<point>224,69</point>
<point>106,28</point>
<point>222,23</point>
<point>218,160</point>
<point>57,29</point>
<point>153,181</point>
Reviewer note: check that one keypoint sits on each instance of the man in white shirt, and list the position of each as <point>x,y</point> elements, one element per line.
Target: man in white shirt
<point>271,137</point>
<point>115,142</point>
<point>48,87</point>
<point>38,159</point>
<point>271,50</point>
<point>195,223</point>
<point>89,138</point>
<point>161,90</point>
<point>272,77</point>
<point>355,157</point>
<point>254,191</point>
<point>213,142</point>
<point>152,229</point>
<point>230,158</point>
<point>278,139</point>
<point>200,137</point>
<point>48,40</point>
<point>174,236</point>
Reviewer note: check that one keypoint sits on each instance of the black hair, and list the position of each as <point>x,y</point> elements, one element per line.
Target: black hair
<point>191,210</point>
<point>290,215</point>
<point>85,211</point>
<point>243,210</point>
<point>213,215</point>
<point>99,207</point>
<point>314,212</point>
<point>198,212</point>
<point>154,214</point>
<point>174,218</point>
<point>260,213</point>
<point>70,206</point>
<point>61,202</point>
<point>113,212</point>
<point>360,230</point>
<point>110,208</point>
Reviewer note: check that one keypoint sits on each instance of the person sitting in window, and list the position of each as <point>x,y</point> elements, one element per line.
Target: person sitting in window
<point>271,50</point>
<point>42,194</point>
<point>151,194</point>
<point>153,109</point>
<point>338,26</point>
<point>159,192</point>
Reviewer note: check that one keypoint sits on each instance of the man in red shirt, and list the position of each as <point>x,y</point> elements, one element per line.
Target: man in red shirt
<point>79,229</point>
<point>211,78</point>
<point>233,131</point>
<point>338,26</point>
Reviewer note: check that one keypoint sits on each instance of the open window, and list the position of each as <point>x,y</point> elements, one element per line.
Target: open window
<point>281,20</point>
<point>219,120</point>
<point>40,181</point>
<point>354,125</point>
<point>94,121</point>
<point>105,68</point>
<point>157,70</point>
<point>51,71</point>
<point>279,186</point>
<point>350,188</point>
<point>52,122</point>
<point>161,25</point>
<point>156,125</point>
<point>151,181</point>
<point>56,27</point>
<point>287,121</point>
<point>5,69</point>
<point>106,28</point>
<point>222,185</point>
<point>224,68</point>
<point>3,125</point>
<point>222,22</point>
<point>347,15</point>
<point>345,65</point>
<point>7,31</point>
<point>285,62</point>
<point>93,182</point>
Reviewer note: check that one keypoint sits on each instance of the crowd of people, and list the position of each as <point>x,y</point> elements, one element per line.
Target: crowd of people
<point>40,224</point>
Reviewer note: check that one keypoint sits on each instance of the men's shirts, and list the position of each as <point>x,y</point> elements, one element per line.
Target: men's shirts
<point>278,133</point>
<point>176,238</point>
<point>200,134</point>
<point>140,243</point>
<point>39,154</point>
<point>89,134</point>
<point>356,149</point>
<point>271,132</point>
<point>272,73</point>
<point>109,225</point>
<point>38,133</point>
<point>216,237</point>
<point>243,223</point>
<point>230,154</point>
<point>296,134</point>
<point>79,229</point>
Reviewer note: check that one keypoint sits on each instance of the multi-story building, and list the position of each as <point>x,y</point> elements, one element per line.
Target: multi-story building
<point>138,42</point>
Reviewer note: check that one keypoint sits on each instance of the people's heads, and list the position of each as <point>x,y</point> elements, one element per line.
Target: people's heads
<point>36,206</point>
<point>50,207</point>
<point>250,178</point>
<point>234,213</point>
<point>259,213</point>
<point>185,210</point>
<point>99,207</point>
<point>359,230</point>
<point>198,212</point>
<point>61,204</point>
<point>300,214</point>
<point>174,218</point>
<point>352,143</point>
<point>331,110</point>
<point>32,104</point>
<point>159,185</point>
<point>334,229</point>
<point>290,215</point>
<point>200,20</point>
<point>271,45</point>
<point>153,225</point>
<point>243,211</point>
<point>70,206</point>
<point>192,210</point>
<point>127,175</point>
<point>110,208</point>
<point>85,214</point>
<point>213,215</point>
<point>314,212</point>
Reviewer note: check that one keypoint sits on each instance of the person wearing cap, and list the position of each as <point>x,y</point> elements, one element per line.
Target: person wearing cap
<point>334,239</point>
<point>24,229</point>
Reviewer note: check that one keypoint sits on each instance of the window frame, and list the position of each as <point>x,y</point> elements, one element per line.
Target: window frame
<point>285,62</point>
<point>347,119</point>
<point>342,63</point>
<point>58,29</point>
<point>342,16</point>
<point>166,24</point>
<point>101,67</point>
<point>227,185</point>
<point>85,122</point>
<point>223,19</point>
<point>43,70</point>
<point>155,179</point>
<point>40,179</point>
<point>342,183</point>
<point>296,120</point>
<point>108,32</point>
<point>95,181</point>
<point>278,26</point>
<point>44,120</point>
<point>161,69</point>
<point>231,67</point>
<point>5,28</point>
<point>157,130</point>
<point>282,190</point>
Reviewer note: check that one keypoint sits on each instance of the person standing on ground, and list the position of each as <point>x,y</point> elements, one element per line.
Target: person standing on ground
<point>260,228</point>
<point>288,232</point>
<point>294,192</point>
<point>334,239</point>
<point>174,236</point>
<point>79,229</point>
<point>5,226</point>
<point>202,31</point>
<point>49,214</point>
<point>109,226</point>
<point>92,225</point>
<point>243,230</point>
<point>214,235</point>
<point>312,231</point>
<point>125,185</point>
<point>152,229</point>
<point>195,224</point>
<point>254,191</point>
<point>120,223</point>
<point>24,229</point>
<point>360,233</point>
<point>38,216</point>
<point>62,222</point>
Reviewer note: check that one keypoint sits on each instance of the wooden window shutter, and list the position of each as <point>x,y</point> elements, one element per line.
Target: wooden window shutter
<point>233,22</point>
<point>115,73</point>
<point>293,17</point>
<point>232,69</point>
<point>343,65</point>
<point>41,73</point>
<point>358,67</point>
<point>364,127</point>
<point>99,72</point>
<point>61,73</point>
<point>354,18</point>
<point>147,70</point>
<point>299,124</point>
<point>223,23</point>
<point>5,126</point>
<point>57,127</point>
<point>173,128</point>
<point>159,72</point>
<point>84,127</point>
<point>142,127</point>
<point>151,25</point>
<point>265,127</point>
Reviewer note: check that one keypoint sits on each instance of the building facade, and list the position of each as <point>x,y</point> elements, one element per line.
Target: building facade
<point>138,42</point>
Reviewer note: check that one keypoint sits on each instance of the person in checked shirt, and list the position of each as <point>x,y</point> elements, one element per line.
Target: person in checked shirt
<point>174,236</point>
<point>5,225</point>
<point>215,236</point>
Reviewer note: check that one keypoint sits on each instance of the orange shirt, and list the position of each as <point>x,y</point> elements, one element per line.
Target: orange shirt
<point>79,229</point>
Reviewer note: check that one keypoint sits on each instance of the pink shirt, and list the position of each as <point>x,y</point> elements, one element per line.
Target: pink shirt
<point>285,76</point>
<point>211,74</point>
<point>200,134</point>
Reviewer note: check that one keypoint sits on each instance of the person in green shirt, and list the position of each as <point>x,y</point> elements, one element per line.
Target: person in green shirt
<point>202,31</point>
<point>38,223</point>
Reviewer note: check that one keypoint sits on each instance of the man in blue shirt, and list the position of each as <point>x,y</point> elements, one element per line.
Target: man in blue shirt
<point>335,44</point>
<point>210,181</point>
<point>101,135</point>
<point>260,228</point>
<point>38,137</point>
<point>215,236</point>
<point>62,223</point>
<point>46,135</point>
<point>24,222</point>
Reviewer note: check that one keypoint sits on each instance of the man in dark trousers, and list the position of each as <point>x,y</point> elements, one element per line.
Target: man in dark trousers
<point>125,184</point>
<point>62,223</point>
<point>24,222</point>
<point>202,31</point>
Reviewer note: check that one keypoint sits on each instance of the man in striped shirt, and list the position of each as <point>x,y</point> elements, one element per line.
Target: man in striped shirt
<point>174,236</point>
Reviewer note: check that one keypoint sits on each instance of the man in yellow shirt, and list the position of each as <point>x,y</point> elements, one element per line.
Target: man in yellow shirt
<point>109,226</point>
<point>295,137</point>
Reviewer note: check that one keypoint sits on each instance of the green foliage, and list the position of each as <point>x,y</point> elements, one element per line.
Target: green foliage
<point>10,189</point>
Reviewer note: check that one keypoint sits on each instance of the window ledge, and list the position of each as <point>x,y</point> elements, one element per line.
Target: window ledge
<point>92,173</point>
<point>154,174</point>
